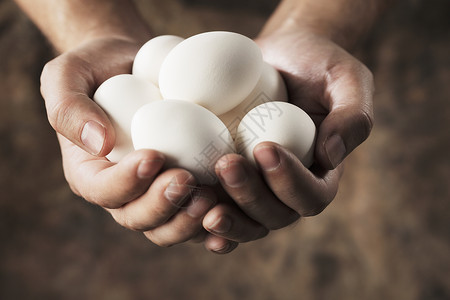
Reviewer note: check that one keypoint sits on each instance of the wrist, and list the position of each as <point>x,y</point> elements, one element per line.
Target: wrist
<point>294,25</point>
<point>344,22</point>
<point>117,19</point>
<point>137,33</point>
<point>68,24</point>
<point>132,37</point>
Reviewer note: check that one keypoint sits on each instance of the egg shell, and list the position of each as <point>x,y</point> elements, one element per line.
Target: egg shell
<point>189,135</point>
<point>120,97</point>
<point>216,70</point>
<point>279,122</point>
<point>151,55</point>
<point>270,87</point>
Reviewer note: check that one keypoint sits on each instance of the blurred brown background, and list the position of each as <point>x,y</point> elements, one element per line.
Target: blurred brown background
<point>386,236</point>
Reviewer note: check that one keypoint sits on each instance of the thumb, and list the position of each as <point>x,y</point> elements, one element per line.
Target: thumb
<point>350,120</point>
<point>65,88</point>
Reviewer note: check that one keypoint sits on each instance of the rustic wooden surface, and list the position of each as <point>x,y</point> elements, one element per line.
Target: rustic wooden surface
<point>386,236</point>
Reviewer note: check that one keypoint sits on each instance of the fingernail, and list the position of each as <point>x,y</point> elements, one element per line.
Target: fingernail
<point>180,188</point>
<point>93,137</point>
<point>148,168</point>
<point>267,158</point>
<point>335,149</point>
<point>221,225</point>
<point>233,174</point>
<point>228,247</point>
<point>199,206</point>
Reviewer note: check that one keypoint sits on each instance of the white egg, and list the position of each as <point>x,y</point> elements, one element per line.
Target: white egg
<point>150,57</point>
<point>279,122</point>
<point>216,70</point>
<point>190,136</point>
<point>120,97</point>
<point>270,87</point>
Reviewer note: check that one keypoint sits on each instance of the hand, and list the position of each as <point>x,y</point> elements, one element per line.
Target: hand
<point>332,86</point>
<point>336,90</point>
<point>167,206</point>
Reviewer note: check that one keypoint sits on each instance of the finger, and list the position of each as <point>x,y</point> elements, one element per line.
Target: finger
<point>66,86</point>
<point>231,223</point>
<point>350,91</point>
<point>105,183</point>
<point>296,186</point>
<point>213,243</point>
<point>245,185</point>
<point>166,195</point>
<point>200,236</point>
<point>219,245</point>
<point>187,223</point>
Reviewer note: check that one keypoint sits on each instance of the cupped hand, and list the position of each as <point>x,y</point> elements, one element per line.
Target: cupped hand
<point>336,90</point>
<point>166,205</point>
<point>331,85</point>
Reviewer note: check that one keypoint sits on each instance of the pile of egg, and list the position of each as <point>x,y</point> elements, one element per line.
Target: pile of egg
<point>199,98</point>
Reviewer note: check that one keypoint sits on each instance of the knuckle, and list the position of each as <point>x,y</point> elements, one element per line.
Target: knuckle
<point>160,214</point>
<point>48,70</point>
<point>284,222</point>
<point>74,189</point>
<point>70,181</point>
<point>358,75</point>
<point>320,199</point>
<point>365,116</point>
<point>263,232</point>
<point>365,121</point>
<point>276,226</point>
<point>367,74</point>
<point>132,224</point>
<point>248,200</point>
<point>105,203</point>
<point>127,221</point>
<point>314,207</point>
<point>93,197</point>
<point>179,232</point>
<point>59,114</point>
<point>184,231</point>
<point>60,100</point>
<point>313,210</point>
<point>157,240</point>
<point>154,217</point>
<point>164,243</point>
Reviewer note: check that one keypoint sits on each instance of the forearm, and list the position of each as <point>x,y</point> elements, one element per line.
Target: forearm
<point>68,23</point>
<point>343,21</point>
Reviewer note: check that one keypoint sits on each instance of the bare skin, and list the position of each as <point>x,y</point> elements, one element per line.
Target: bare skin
<point>304,41</point>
